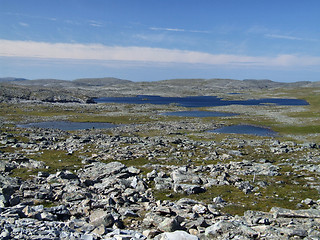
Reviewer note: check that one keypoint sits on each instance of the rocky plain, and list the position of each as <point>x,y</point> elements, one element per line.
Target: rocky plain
<point>154,176</point>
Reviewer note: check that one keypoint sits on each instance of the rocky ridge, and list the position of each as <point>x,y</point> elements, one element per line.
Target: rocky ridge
<point>84,90</point>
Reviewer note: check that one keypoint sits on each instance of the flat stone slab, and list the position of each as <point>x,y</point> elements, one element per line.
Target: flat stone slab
<point>288,213</point>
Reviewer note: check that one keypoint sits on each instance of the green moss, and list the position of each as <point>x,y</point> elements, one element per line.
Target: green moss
<point>309,129</point>
<point>54,160</point>
<point>58,159</point>
<point>8,149</point>
<point>16,112</point>
<point>45,203</point>
<point>25,173</point>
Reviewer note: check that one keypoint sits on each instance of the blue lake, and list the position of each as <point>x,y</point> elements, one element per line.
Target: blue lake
<point>198,101</point>
<point>246,129</point>
<point>198,114</point>
<point>68,126</point>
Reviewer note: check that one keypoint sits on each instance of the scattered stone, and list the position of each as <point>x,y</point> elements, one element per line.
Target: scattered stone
<point>105,199</point>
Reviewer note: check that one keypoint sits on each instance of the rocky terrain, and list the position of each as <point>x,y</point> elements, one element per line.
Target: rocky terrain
<point>154,177</point>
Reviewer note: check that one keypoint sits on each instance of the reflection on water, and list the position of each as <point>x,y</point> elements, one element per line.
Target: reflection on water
<point>246,129</point>
<point>199,114</point>
<point>68,126</point>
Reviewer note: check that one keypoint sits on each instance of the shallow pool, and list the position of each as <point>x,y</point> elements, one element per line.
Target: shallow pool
<point>246,129</point>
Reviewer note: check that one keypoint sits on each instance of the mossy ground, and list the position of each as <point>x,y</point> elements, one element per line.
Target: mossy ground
<point>55,160</point>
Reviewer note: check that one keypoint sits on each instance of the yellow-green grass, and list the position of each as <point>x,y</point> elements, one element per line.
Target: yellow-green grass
<point>311,95</point>
<point>278,194</point>
<point>54,160</point>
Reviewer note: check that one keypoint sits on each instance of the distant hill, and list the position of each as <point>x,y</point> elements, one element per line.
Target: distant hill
<point>11,79</point>
<point>215,83</point>
<point>44,83</point>
<point>231,84</point>
<point>100,81</point>
<point>84,82</point>
<point>100,87</point>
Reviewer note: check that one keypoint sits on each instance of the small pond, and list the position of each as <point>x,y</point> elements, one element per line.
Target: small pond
<point>198,114</point>
<point>246,129</point>
<point>68,126</point>
<point>198,101</point>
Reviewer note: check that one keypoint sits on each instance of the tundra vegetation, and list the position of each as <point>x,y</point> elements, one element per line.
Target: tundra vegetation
<point>158,161</point>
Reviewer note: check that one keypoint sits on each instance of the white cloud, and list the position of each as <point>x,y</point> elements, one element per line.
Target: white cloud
<point>277,36</point>
<point>30,49</point>
<point>177,30</point>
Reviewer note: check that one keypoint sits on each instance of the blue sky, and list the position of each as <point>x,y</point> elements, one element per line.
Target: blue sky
<point>146,40</point>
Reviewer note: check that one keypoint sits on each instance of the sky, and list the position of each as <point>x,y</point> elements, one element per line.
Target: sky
<point>148,40</point>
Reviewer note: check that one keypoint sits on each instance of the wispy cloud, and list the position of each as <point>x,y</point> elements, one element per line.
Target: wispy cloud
<point>23,24</point>
<point>277,36</point>
<point>167,29</point>
<point>94,23</point>
<point>30,49</point>
<point>177,30</point>
<point>30,16</point>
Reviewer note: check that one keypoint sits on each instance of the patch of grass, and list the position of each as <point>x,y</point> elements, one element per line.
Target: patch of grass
<point>166,194</point>
<point>58,159</point>
<point>25,173</point>
<point>16,113</point>
<point>8,149</point>
<point>304,114</point>
<point>45,203</point>
<point>309,129</point>
<point>54,159</point>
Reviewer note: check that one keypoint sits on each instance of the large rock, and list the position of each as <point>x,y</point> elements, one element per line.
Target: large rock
<point>163,183</point>
<point>271,232</point>
<point>6,166</point>
<point>5,195</point>
<point>182,175</point>
<point>188,189</point>
<point>98,170</point>
<point>224,229</point>
<point>169,225</point>
<point>100,217</point>
<point>177,235</point>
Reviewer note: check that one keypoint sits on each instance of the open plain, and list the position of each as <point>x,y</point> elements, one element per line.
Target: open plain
<point>156,176</point>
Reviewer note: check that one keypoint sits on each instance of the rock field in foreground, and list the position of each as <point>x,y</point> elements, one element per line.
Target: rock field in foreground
<point>170,195</point>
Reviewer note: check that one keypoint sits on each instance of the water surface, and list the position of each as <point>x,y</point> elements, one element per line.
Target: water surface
<point>68,126</point>
<point>246,129</point>
<point>198,101</point>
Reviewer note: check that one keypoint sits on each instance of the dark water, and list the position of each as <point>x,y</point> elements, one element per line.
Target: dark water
<point>198,114</point>
<point>198,101</point>
<point>68,126</point>
<point>246,129</point>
